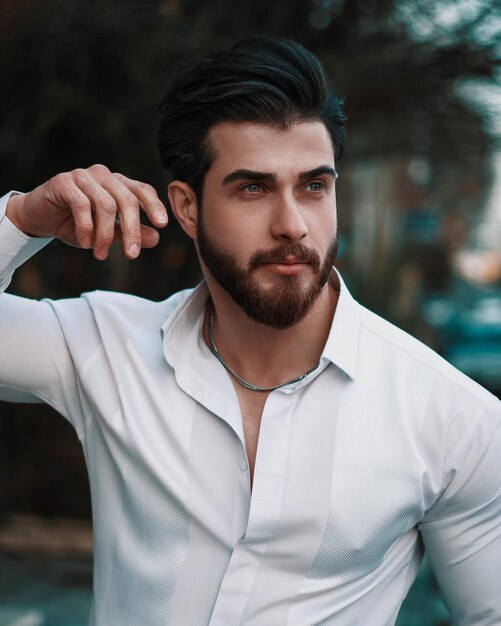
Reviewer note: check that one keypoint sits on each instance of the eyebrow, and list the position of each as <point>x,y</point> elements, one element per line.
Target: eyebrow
<point>319,171</point>
<point>244,174</point>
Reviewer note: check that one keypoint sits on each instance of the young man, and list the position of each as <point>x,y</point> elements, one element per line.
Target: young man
<point>262,450</point>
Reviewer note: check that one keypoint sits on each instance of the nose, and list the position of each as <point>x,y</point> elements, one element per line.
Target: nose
<point>288,222</point>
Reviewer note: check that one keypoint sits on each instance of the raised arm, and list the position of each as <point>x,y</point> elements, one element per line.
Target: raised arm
<point>89,208</point>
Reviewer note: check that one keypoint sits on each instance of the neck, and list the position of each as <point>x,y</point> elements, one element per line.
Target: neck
<point>266,356</point>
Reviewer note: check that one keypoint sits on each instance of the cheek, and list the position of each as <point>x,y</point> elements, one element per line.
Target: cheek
<point>322,233</point>
<point>242,234</point>
<point>231,237</point>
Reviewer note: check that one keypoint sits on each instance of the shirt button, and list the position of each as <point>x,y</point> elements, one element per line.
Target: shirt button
<point>243,464</point>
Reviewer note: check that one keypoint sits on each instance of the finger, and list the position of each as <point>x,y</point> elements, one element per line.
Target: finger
<point>128,213</point>
<point>104,207</point>
<point>148,199</point>
<point>81,208</point>
<point>149,236</point>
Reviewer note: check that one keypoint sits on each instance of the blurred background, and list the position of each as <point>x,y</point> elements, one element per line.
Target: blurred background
<point>419,197</point>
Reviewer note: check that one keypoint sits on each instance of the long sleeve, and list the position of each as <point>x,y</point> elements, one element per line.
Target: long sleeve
<point>35,364</point>
<point>462,531</point>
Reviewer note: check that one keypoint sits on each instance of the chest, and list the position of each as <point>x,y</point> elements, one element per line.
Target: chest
<point>321,485</point>
<point>251,407</point>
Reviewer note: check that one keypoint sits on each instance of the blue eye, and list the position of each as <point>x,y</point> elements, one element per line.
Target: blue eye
<point>315,186</point>
<point>252,188</point>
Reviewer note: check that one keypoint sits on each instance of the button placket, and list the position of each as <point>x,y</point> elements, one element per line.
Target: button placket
<point>265,509</point>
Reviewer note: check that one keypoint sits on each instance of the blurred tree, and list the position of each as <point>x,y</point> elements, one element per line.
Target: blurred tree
<point>81,81</point>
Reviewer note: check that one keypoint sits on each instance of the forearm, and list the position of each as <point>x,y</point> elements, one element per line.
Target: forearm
<point>15,248</point>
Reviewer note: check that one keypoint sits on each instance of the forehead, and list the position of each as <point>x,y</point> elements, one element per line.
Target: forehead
<point>266,148</point>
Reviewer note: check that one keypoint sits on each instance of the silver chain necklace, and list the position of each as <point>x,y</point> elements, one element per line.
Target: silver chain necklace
<point>232,373</point>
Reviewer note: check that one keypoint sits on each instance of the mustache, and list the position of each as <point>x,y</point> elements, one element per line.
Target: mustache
<point>277,255</point>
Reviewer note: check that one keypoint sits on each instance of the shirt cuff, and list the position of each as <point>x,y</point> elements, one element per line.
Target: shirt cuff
<point>15,246</point>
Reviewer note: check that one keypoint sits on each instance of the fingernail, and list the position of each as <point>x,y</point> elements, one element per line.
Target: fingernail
<point>101,254</point>
<point>134,249</point>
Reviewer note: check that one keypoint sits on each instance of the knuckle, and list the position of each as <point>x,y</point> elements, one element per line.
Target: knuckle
<point>84,227</point>
<point>146,188</point>
<point>99,168</point>
<point>79,176</point>
<point>134,233</point>
<point>64,179</point>
<point>107,238</point>
<point>60,178</point>
<point>81,204</point>
<point>131,200</point>
<point>108,205</point>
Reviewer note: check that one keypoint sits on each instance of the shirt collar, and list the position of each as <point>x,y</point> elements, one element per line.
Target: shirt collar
<point>341,347</point>
<point>186,318</point>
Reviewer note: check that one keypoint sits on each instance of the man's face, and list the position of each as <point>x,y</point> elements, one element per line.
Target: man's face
<point>267,227</point>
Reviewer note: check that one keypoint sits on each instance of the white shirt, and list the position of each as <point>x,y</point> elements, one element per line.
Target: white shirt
<point>384,448</point>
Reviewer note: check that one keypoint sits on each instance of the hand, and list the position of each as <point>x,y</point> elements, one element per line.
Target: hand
<point>91,208</point>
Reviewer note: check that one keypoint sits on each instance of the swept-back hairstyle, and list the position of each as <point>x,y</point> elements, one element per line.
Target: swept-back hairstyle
<point>265,80</point>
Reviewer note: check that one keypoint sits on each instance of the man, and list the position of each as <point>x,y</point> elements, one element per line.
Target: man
<point>262,450</point>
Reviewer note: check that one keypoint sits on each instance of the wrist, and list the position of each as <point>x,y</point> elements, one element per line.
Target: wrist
<point>14,212</point>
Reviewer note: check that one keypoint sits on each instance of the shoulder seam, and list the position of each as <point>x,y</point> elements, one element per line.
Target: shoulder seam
<point>422,362</point>
<point>134,302</point>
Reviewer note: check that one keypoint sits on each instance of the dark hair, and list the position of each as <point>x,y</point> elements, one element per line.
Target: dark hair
<point>261,80</point>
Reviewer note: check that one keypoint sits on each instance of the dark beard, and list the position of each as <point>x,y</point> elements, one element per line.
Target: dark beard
<point>287,302</point>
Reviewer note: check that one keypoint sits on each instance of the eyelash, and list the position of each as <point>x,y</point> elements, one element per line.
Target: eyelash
<point>320,184</point>
<point>245,188</point>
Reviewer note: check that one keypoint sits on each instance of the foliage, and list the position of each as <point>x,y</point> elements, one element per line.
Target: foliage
<point>81,80</point>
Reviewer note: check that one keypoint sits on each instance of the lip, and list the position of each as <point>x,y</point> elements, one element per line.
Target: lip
<point>286,267</point>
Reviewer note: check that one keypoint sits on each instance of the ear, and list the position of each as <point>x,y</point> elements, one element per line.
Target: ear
<point>184,204</point>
